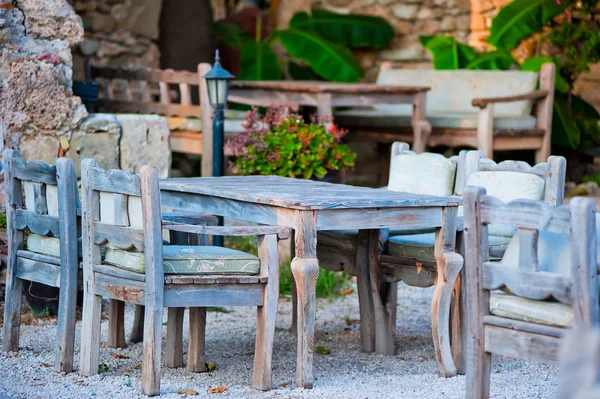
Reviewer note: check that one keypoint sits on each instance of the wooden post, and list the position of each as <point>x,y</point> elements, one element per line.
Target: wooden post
<point>207,113</point>
<point>544,110</point>
<point>485,131</point>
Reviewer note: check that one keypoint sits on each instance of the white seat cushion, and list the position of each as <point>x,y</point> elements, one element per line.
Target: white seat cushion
<point>233,122</point>
<point>189,260</point>
<point>426,173</point>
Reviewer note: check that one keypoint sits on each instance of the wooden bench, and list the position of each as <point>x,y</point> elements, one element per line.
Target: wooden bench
<point>169,93</point>
<point>487,110</point>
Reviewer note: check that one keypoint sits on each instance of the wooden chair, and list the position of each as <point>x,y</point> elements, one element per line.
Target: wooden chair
<point>545,297</point>
<point>134,270</point>
<point>168,92</point>
<point>486,110</point>
<point>42,200</point>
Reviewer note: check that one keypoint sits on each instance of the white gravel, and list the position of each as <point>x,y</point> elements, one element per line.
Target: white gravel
<point>344,373</point>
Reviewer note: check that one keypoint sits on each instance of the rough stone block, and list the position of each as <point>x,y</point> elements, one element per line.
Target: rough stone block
<point>51,20</point>
<point>39,148</point>
<point>144,141</point>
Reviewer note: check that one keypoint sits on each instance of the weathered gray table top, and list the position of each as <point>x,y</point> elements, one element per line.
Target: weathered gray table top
<point>325,87</point>
<point>299,193</point>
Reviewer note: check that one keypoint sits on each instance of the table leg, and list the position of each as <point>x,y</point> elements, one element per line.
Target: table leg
<point>449,265</point>
<point>365,296</point>
<point>305,267</point>
<point>294,326</point>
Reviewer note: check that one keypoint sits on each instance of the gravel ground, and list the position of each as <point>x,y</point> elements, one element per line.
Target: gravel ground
<point>343,373</point>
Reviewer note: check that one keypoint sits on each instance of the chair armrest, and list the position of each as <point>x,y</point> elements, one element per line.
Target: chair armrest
<point>483,102</point>
<point>281,231</point>
<point>190,218</point>
<point>460,224</point>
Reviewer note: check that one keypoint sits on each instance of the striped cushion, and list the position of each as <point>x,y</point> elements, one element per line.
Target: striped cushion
<point>541,312</point>
<point>45,245</point>
<point>189,260</point>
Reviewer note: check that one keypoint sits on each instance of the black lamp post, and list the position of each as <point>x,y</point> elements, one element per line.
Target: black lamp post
<point>217,82</point>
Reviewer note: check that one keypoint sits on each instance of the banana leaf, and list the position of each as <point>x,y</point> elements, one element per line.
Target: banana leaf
<point>520,19</point>
<point>258,62</point>
<point>302,72</point>
<point>329,60</point>
<point>534,64</point>
<point>230,34</point>
<point>352,30</point>
<point>493,60</point>
<point>583,109</point>
<point>565,132</point>
<point>447,52</point>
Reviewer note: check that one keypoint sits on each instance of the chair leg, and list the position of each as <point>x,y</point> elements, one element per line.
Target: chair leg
<point>384,338</point>
<point>478,372</point>
<point>266,316</point>
<point>151,353</point>
<point>440,311</point>
<point>294,326</point>
<point>393,304</point>
<point>196,340</point>
<point>365,296</point>
<point>174,351</point>
<point>12,313</point>
<point>137,331</point>
<point>116,324</point>
<point>66,321</point>
<point>90,334</point>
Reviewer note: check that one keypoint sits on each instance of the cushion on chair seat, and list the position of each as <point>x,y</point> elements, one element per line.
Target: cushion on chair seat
<point>541,312</point>
<point>347,238</point>
<point>233,122</point>
<point>421,246</point>
<point>426,173</point>
<point>47,245</point>
<point>386,118</point>
<point>178,259</point>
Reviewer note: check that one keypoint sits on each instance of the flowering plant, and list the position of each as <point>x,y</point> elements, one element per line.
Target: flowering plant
<point>282,144</point>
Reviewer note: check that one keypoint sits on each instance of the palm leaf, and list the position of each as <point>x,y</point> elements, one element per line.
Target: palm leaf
<point>302,72</point>
<point>447,52</point>
<point>329,60</point>
<point>520,19</point>
<point>534,64</point>
<point>493,60</point>
<point>352,30</point>
<point>258,62</point>
<point>565,132</point>
<point>230,34</point>
<point>583,109</point>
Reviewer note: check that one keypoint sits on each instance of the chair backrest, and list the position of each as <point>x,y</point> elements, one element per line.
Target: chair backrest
<point>43,199</point>
<point>122,210</point>
<point>577,220</point>
<point>511,180</point>
<point>452,91</point>
<point>152,91</point>
<point>426,173</point>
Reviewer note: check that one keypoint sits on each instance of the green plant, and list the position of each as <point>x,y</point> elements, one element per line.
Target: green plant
<point>284,145</point>
<point>329,284</point>
<point>2,220</point>
<point>322,40</point>
<point>575,46</point>
<point>42,314</point>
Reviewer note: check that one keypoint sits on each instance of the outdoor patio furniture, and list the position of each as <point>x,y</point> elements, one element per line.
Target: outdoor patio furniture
<point>137,268</point>
<point>309,206</point>
<point>487,110</point>
<point>169,93</point>
<point>549,280</point>
<point>41,207</point>
<point>409,256</point>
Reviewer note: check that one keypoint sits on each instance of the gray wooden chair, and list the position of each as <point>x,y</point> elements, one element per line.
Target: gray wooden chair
<point>137,268</point>
<point>549,274</point>
<point>41,212</point>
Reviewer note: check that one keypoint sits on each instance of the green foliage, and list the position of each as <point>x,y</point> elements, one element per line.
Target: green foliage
<point>520,19</point>
<point>302,72</point>
<point>565,132</point>
<point>288,147</point>
<point>42,314</point>
<point>447,52</point>
<point>352,30</point>
<point>592,179</point>
<point>534,64</point>
<point>493,60</point>
<point>2,220</point>
<point>322,40</point>
<point>329,284</point>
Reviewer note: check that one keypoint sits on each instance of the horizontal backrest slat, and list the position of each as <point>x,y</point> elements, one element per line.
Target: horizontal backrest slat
<point>523,213</point>
<point>540,169</point>
<point>34,171</point>
<point>118,236</point>
<point>38,224</point>
<point>116,181</point>
<point>151,108</point>
<point>146,74</point>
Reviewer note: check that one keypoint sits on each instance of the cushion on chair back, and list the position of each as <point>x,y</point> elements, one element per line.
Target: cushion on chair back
<point>189,260</point>
<point>508,186</point>
<point>452,91</point>
<point>426,173</point>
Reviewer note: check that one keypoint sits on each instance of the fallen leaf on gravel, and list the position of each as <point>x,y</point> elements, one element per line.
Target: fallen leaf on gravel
<point>187,392</point>
<point>322,351</point>
<point>127,371</point>
<point>45,365</point>
<point>119,356</point>
<point>285,384</point>
<point>138,367</point>
<point>220,389</point>
<point>210,366</point>
<point>346,291</point>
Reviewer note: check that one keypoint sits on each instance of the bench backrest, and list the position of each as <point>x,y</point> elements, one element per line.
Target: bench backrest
<point>452,91</point>
<point>43,199</point>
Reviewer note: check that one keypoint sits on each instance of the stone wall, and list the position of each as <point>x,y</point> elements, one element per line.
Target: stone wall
<point>118,33</point>
<point>38,111</point>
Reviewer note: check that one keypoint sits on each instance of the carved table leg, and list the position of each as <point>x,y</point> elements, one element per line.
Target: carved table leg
<point>294,326</point>
<point>449,265</point>
<point>305,267</point>
<point>365,296</point>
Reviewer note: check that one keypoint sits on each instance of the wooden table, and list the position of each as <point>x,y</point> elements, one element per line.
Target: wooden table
<point>307,206</point>
<point>326,95</point>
